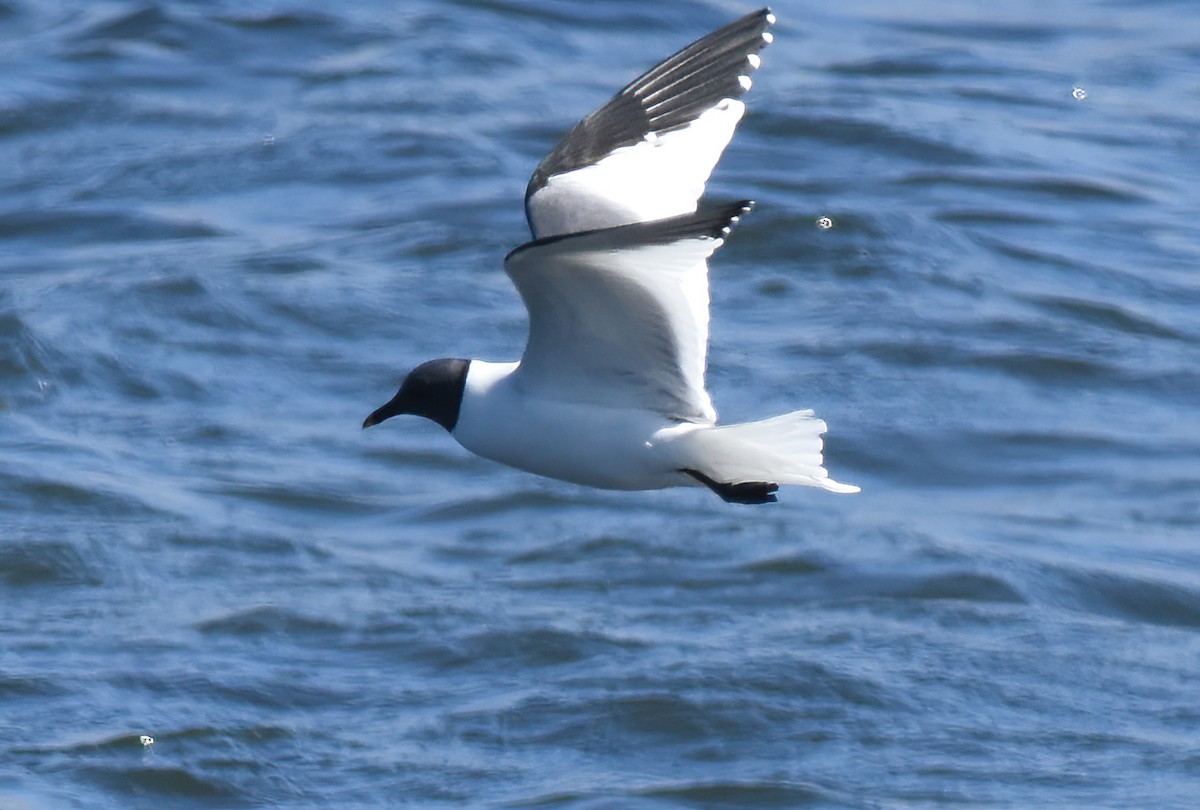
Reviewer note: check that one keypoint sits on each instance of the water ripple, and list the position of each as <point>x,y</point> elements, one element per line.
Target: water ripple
<point>268,619</point>
<point>90,227</point>
<point>1136,598</point>
<point>163,782</point>
<point>46,561</point>
<point>1062,188</point>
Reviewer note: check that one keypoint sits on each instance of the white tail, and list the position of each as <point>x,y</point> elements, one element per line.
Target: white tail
<point>783,450</point>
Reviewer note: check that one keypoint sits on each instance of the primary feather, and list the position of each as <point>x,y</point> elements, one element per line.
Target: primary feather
<point>647,153</point>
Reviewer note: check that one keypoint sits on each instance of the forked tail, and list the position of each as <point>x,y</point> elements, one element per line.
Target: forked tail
<point>782,450</point>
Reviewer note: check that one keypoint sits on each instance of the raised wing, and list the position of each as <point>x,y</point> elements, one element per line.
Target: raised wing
<point>648,152</point>
<point>620,316</point>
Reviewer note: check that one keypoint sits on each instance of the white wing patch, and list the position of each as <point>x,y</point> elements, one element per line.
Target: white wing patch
<point>661,176</point>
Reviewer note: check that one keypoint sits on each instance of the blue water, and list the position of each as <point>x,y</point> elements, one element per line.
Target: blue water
<point>226,231</point>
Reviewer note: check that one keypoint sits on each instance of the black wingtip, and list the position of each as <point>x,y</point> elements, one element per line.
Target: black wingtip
<point>765,14</point>
<point>720,219</point>
<point>675,91</point>
<point>668,96</point>
<point>712,220</point>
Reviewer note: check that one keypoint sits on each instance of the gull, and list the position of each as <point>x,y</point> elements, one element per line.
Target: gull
<point>610,389</point>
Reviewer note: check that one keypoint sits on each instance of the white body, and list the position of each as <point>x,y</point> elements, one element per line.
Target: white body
<point>606,447</point>
<point>630,448</point>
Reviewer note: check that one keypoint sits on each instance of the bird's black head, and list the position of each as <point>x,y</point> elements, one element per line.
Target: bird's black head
<point>433,390</point>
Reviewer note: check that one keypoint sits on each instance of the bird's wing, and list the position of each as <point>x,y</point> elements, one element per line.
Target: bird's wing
<point>648,152</point>
<point>619,317</point>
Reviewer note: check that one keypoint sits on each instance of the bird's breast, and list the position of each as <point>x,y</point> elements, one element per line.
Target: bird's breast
<point>605,447</point>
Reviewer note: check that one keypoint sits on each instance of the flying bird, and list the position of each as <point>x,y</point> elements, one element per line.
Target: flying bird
<point>610,389</point>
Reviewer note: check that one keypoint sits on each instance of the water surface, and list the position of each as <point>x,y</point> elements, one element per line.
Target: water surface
<point>226,231</point>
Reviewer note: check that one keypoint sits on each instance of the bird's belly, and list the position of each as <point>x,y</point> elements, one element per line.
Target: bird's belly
<point>610,448</point>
